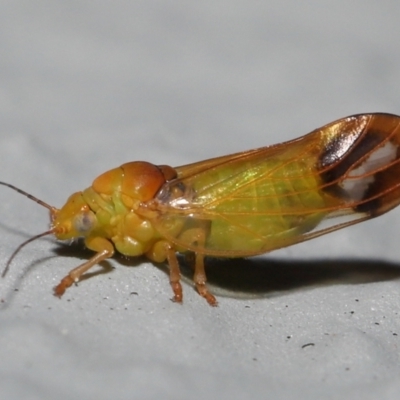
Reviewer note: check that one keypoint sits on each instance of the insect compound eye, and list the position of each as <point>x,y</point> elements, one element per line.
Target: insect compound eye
<point>84,221</point>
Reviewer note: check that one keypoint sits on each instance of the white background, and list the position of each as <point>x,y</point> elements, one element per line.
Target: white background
<point>88,85</point>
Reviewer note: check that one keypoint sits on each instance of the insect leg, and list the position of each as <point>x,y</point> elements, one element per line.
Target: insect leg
<point>200,280</point>
<point>161,251</point>
<point>197,236</point>
<point>174,275</point>
<point>104,250</point>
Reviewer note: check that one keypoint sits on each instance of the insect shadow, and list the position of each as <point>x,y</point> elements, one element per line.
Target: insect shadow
<point>260,276</point>
<point>254,277</point>
<point>267,277</point>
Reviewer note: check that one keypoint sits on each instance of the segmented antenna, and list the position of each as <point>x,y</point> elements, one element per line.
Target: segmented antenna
<point>16,251</point>
<point>29,196</point>
<point>53,211</point>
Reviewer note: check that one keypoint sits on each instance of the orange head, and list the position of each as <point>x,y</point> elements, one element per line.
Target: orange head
<point>74,219</point>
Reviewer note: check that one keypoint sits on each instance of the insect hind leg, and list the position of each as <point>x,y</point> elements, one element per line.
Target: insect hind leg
<point>200,280</point>
<point>198,237</point>
<point>163,250</point>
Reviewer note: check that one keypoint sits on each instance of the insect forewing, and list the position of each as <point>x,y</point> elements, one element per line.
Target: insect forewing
<point>260,200</point>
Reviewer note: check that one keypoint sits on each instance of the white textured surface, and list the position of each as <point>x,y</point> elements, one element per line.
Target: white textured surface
<point>86,86</point>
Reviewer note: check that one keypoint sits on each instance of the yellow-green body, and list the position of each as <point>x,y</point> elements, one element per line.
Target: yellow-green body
<point>246,205</point>
<point>238,205</point>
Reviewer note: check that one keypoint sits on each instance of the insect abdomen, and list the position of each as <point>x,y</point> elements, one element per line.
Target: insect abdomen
<point>257,201</point>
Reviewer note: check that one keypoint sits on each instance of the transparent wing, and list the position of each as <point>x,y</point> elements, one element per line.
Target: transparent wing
<point>260,200</point>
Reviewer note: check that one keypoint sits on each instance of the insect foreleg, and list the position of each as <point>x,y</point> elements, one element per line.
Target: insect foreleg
<point>104,250</point>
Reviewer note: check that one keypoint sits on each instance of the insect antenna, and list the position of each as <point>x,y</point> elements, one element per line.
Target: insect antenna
<point>29,196</point>
<point>53,211</point>
<point>23,244</point>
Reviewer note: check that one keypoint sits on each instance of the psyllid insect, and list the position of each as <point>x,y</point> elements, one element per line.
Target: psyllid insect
<point>238,205</point>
